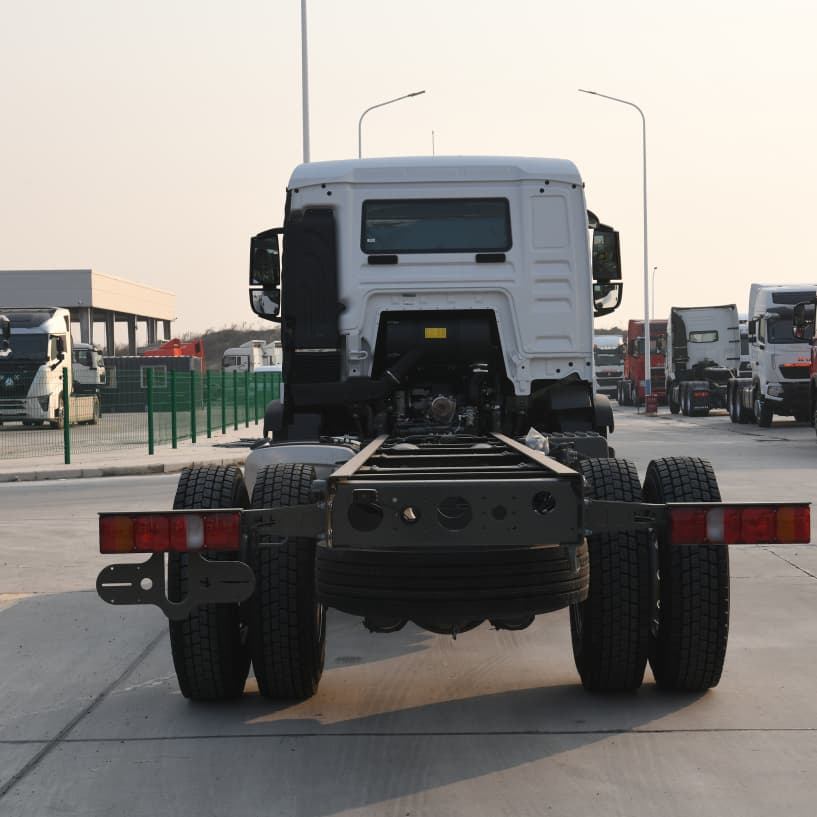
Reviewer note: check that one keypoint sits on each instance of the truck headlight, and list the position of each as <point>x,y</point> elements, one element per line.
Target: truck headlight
<point>44,401</point>
<point>775,390</point>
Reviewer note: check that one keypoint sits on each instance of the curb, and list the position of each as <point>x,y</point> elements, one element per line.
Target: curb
<point>114,470</point>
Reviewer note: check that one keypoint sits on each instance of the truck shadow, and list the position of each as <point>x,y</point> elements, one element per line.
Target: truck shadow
<point>367,761</point>
<point>412,717</point>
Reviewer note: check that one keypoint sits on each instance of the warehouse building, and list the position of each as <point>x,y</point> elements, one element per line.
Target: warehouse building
<point>98,303</point>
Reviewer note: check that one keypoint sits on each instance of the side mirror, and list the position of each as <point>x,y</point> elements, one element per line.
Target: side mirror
<point>606,254</point>
<point>803,319</point>
<point>265,260</point>
<point>265,274</point>
<point>264,302</point>
<point>751,330</point>
<point>632,348</point>
<point>5,334</point>
<point>60,349</point>
<point>606,297</point>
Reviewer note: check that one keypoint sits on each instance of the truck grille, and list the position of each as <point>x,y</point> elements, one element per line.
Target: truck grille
<point>15,383</point>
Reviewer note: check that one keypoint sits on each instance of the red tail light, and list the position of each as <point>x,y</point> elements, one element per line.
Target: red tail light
<point>162,533</point>
<point>740,524</point>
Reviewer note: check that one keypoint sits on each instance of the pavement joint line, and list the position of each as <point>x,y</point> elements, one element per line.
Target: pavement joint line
<point>59,738</point>
<point>736,730</point>
<point>791,564</point>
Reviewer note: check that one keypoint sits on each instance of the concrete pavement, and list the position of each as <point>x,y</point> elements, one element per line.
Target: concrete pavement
<point>221,449</point>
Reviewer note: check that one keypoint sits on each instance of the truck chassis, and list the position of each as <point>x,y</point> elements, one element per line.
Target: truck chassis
<point>447,531</point>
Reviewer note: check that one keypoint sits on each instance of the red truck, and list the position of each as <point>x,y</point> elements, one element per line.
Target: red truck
<point>178,348</point>
<point>631,388</point>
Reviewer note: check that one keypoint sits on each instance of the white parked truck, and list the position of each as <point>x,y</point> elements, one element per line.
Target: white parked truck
<point>244,358</point>
<point>439,455</point>
<point>778,380</point>
<point>703,354</point>
<point>89,372</point>
<point>608,362</point>
<point>31,375</point>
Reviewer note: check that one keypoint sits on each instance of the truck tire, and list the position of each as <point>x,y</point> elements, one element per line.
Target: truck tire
<point>610,629</point>
<point>422,585</point>
<point>674,405</point>
<point>59,422</point>
<point>691,611</point>
<point>743,414</point>
<point>97,412</point>
<point>763,411</point>
<point>209,647</point>
<point>732,402</point>
<point>684,400</point>
<point>287,623</point>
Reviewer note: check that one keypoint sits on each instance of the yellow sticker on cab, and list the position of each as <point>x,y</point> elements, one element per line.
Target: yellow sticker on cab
<point>435,332</point>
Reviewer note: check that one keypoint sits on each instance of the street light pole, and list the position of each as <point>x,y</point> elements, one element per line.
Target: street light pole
<point>379,105</point>
<point>304,82</point>
<point>647,360</point>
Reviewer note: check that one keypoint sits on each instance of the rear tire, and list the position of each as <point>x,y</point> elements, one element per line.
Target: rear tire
<point>287,624</point>
<point>763,411</point>
<point>691,613</point>
<point>674,405</point>
<point>732,403</point>
<point>626,394</point>
<point>97,412</point>
<point>209,647</point>
<point>743,414</point>
<point>610,630</point>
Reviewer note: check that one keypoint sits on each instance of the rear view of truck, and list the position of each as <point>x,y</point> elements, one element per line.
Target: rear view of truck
<point>439,455</point>
<point>703,354</point>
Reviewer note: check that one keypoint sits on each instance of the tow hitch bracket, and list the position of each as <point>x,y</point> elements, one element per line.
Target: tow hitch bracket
<point>209,582</point>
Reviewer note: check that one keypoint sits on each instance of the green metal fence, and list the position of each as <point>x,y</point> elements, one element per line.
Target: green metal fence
<point>146,408</point>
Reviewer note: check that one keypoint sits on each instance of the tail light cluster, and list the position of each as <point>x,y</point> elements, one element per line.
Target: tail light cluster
<point>180,531</point>
<point>740,524</point>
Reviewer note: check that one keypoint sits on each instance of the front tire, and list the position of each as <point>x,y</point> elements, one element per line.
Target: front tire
<point>209,647</point>
<point>287,623</point>
<point>691,613</point>
<point>610,630</point>
<point>59,422</point>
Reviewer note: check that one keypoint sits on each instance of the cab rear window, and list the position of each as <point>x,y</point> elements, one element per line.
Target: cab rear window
<point>436,225</point>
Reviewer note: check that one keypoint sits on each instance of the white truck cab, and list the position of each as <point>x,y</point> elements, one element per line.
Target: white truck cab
<point>481,266</point>
<point>779,379</point>
<point>32,384</point>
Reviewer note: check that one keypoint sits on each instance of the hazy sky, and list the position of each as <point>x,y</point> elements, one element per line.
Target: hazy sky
<point>150,140</point>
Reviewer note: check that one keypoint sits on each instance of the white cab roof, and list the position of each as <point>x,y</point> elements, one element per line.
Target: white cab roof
<point>434,169</point>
